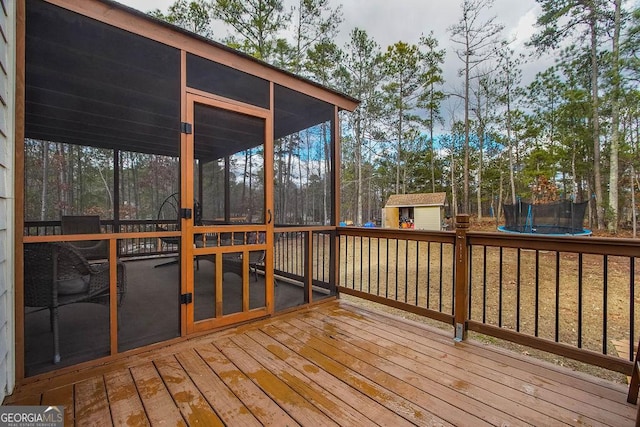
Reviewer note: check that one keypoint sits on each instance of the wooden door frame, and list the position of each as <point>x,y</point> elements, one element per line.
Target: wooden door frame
<point>188,252</point>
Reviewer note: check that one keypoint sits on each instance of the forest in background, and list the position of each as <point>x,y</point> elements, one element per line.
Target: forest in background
<point>572,133</point>
<point>574,129</point>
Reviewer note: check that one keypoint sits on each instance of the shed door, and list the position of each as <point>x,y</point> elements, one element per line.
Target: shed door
<point>427,217</point>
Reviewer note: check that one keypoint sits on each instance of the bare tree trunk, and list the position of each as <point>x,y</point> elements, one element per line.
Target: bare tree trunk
<point>79,190</point>
<point>399,149</point>
<point>596,125</point>
<point>512,179</point>
<point>500,198</point>
<point>106,186</point>
<point>287,180</point>
<point>479,191</point>
<point>465,195</point>
<point>302,209</point>
<point>404,178</point>
<point>244,181</point>
<point>358,159</point>
<point>327,175</point>
<point>433,162</point>
<point>574,176</point>
<point>45,172</point>
<point>62,180</point>
<point>615,124</point>
<point>454,198</point>
<point>251,207</point>
<point>136,188</point>
<point>634,210</point>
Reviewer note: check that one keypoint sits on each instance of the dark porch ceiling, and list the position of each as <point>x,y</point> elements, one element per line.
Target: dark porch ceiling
<point>89,83</point>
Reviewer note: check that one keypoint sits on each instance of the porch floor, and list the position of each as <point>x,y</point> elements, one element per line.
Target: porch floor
<point>330,364</point>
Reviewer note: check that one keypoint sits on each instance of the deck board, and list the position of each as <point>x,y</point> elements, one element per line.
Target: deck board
<point>295,404</point>
<point>533,391</point>
<point>336,409</point>
<point>332,364</point>
<point>61,396</point>
<point>229,408</point>
<point>159,406</point>
<point>91,403</point>
<point>426,394</point>
<point>194,407</point>
<point>387,391</point>
<point>358,401</point>
<point>500,391</point>
<point>125,403</point>
<point>267,411</point>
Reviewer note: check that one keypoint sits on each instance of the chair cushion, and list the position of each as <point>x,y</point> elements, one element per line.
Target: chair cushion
<point>76,285</point>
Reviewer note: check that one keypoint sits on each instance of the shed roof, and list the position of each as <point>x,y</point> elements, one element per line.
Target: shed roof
<point>418,199</point>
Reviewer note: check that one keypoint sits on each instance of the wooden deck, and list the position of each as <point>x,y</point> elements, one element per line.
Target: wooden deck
<point>333,364</point>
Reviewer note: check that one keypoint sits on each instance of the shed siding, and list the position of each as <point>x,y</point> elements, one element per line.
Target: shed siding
<point>7,145</point>
<point>427,217</point>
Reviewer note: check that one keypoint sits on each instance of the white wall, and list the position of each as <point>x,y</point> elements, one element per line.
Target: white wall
<point>7,144</point>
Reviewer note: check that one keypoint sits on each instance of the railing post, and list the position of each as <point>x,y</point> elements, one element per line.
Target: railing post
<point>461,305</point>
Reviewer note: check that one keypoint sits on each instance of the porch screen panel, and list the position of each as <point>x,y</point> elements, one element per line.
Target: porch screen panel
<point>101,103</point>
<point>230,149</point>
<point>303,143</point>
<point>66,313</point>
<point>303,140</point>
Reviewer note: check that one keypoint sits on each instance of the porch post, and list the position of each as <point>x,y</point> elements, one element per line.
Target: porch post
<point>116,192</point>
<point>461,277</point>
<point>334,257</point>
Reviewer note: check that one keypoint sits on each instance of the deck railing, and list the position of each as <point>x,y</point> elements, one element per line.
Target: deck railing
<point>130,247</point>
<point>304,254</point>
<point>571,296</point>
<point>408,269</point>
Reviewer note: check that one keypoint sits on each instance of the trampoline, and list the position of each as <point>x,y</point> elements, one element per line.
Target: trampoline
<point>556,218</point>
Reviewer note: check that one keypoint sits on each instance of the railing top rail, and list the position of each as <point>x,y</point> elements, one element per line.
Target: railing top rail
<point>392,233</point>
<point>299,228</point>
<point>35,223</point>
<point>98,236</point>
<point>576,244</point>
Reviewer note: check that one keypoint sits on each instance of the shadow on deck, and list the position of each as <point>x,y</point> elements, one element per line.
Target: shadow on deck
<point>332,363</point>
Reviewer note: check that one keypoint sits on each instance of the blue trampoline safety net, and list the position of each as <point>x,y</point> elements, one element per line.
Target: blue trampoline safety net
<point>561,217</point>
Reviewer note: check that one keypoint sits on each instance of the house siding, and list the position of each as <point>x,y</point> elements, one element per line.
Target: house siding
<point>7,145</point>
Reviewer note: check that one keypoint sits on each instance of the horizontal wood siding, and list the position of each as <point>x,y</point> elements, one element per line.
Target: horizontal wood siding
<point>7,144</point>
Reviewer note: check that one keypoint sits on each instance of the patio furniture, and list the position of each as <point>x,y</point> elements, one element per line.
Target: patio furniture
<point>57,274</point>
<point>256,258</point>
<point>86,224</point>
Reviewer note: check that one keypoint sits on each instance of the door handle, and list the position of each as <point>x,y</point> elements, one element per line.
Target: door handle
<point>270,216</point>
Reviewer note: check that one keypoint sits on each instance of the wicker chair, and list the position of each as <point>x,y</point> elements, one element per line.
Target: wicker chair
<point>56,274</point>
<point>86,224</point>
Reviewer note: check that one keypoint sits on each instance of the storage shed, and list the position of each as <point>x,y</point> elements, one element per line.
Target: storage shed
<point>422,211</point>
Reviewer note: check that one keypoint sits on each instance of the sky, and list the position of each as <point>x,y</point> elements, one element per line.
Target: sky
<point>390,21</point>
